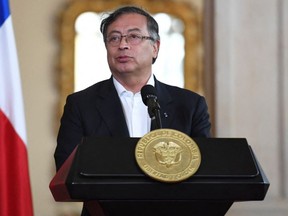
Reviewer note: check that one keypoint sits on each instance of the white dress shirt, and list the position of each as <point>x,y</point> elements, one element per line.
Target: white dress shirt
<point>135,111</point>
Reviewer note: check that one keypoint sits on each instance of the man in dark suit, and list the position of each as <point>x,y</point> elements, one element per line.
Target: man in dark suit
<point>114,107</point>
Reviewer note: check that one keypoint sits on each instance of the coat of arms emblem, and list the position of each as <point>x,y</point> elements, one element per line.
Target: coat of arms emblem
<point>168,153</point>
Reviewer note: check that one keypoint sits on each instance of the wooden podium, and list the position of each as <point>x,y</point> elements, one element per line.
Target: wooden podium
<point>103,173</point>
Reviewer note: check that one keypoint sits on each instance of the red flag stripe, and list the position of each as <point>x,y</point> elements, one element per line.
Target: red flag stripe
<point>14,181</point>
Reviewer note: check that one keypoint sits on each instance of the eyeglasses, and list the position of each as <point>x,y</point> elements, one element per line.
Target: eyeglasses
<point>132,39</point>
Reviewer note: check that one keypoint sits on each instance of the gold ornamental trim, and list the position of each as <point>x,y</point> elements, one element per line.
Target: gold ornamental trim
<point>168,155</point>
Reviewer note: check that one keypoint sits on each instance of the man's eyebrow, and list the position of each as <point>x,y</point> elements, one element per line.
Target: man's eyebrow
<point>134,29</point>
<point>114,32</point>
<point>129,30</point>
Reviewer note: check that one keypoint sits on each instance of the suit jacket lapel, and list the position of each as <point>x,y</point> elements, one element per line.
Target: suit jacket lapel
<point>110,107</point>
<point>166,104</point>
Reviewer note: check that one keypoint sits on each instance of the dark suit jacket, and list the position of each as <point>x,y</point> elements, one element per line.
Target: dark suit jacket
<point>97,111</point>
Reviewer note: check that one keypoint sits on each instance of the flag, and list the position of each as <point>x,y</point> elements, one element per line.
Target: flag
<point>15,191</point>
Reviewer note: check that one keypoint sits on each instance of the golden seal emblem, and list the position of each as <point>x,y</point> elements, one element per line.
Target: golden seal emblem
<point>167,155</point>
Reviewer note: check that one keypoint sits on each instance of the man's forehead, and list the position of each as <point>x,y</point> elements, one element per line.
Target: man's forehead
<point>131,21</point>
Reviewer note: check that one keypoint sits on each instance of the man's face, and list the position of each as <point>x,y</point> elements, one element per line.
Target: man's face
<point>127,58</point>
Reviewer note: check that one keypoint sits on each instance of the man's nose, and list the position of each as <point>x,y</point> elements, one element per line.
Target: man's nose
<point>123,42</point>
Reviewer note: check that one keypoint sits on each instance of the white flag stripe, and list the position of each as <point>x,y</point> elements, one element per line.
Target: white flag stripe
<point>10,84</point>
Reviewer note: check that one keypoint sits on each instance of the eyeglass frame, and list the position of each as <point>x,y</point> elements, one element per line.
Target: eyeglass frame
<point>127,36</point>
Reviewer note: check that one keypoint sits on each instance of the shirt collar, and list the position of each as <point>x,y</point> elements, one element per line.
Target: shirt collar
<point>120,88</point>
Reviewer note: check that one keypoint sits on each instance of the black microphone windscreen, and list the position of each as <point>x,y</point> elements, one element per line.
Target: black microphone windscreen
<point>148,91</point>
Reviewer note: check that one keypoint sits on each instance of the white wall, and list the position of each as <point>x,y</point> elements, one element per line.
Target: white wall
<point>251,73</point>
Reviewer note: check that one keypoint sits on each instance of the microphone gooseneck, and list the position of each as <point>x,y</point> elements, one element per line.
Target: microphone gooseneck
<point>149,98</point>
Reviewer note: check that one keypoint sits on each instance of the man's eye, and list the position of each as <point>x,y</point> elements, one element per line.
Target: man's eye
<point>114,38</point>
<point>134,36</point>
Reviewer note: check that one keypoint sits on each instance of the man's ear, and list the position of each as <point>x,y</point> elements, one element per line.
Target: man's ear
<point>156,47</point>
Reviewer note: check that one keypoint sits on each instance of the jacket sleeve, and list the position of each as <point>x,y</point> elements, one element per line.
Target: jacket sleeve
<point>70,132</point>
<point>201,125</point>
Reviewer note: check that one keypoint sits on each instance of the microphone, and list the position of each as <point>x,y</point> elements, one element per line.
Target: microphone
<point>149,98</point>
